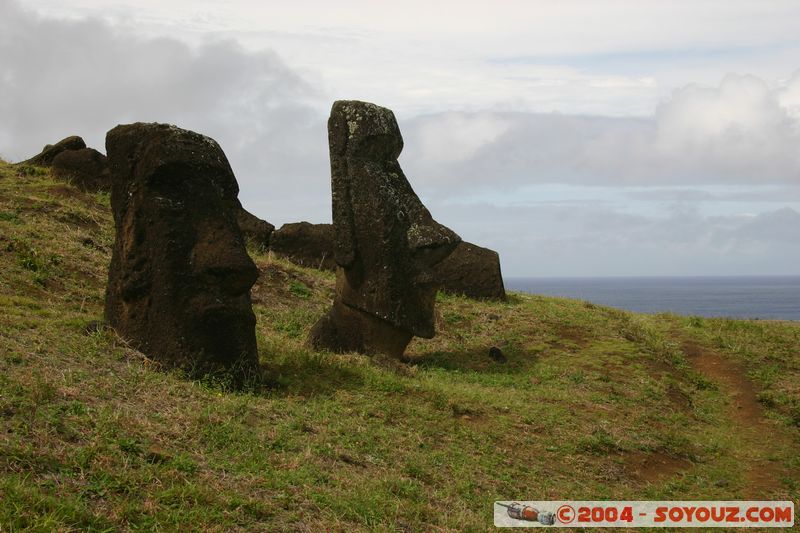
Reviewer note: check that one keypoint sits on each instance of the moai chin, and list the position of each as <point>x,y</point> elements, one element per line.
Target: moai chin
<point>180,277</point>
<point>385,239</point>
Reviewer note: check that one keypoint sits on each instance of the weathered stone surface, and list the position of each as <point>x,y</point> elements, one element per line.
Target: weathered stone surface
<point>345,329</point>
<point>86,168</point>
<point>49,152</point>
<point>305,244</point>
<point>257,230</point>
<point>386,241</point>
<point>180,277</point>
<point>472,271</point>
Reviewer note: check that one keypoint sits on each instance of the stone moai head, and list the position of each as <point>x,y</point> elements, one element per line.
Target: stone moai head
<point>180,277</point>
<point>385,239</point>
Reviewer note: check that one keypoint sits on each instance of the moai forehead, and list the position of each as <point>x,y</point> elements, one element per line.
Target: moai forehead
<point>156,154</point>
<point>364,130</point>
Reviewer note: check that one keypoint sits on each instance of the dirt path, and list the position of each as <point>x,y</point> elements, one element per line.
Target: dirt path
<point>762,436</point>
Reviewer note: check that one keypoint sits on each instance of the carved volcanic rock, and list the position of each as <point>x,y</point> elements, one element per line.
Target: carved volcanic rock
<point>180,277</point>
<point>253,228</point>
<point>386,241</point>
<point>49,152</point>
<point>86,168</point>
<point>305,244</point>
<point>472,271</point>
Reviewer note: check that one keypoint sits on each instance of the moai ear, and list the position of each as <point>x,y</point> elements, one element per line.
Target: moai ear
<point>135,282</point>
<point>344,250</point>
<point>344,240</point>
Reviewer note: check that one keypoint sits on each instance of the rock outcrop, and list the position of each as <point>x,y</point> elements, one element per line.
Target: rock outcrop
<point>386,241</point>
<point>258,231</point>
<point>305,244</point>
<point>85,168</point>
<point>472,271</point>
<point>49,152</point>
<point>180,277</point>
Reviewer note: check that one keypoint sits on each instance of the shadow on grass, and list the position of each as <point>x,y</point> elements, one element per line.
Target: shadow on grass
<point>477,359</point>
<point>296,373</point>
<point>310,374</point>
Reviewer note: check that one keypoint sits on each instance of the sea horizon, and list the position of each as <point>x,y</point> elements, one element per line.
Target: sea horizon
<point>766,297</point>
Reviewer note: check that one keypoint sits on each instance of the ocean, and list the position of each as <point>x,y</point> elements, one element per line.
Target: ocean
<point>775,297</point>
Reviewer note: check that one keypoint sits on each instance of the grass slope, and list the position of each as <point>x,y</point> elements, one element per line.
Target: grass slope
<point>593,403</point>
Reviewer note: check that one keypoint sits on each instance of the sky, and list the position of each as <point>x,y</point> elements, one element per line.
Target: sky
<point>576,138</point>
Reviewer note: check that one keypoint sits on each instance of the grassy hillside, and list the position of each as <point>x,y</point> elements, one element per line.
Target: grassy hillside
<point>593,403</point>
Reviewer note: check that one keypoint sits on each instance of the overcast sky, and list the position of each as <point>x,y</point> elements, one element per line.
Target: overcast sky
<point>577,138</point>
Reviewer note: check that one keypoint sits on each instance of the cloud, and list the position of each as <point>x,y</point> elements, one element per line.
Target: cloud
<point>715,194</point>
<point>740,132</point>
<point>737,131</point>
<point>456,136</point>
<point>62,77</point>
<point>773,227</point>
<point>789,96</point>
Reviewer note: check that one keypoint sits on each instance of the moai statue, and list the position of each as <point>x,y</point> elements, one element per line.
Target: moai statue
<point>180,277</point>
<point>472,271</point>
<point>50,151</point>
<point>385,240</point>
<point>305,244</point>
<point>85,168</point>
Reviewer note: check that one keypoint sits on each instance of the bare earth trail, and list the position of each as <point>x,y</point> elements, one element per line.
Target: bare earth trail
<point>763,440</point>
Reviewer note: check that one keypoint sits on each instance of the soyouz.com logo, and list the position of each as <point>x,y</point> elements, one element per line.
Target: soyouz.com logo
<point>643,514</point>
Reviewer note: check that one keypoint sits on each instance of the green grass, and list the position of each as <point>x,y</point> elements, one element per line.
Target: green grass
<point>96,437</point>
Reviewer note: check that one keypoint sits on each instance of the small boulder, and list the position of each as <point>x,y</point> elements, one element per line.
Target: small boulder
<point>256,230</point>
<point>305,244</point>
<point>497,354</point>
<point>94,326</point>
<point>86,168</point>
<point>49,152</point>
<point>472,271</point>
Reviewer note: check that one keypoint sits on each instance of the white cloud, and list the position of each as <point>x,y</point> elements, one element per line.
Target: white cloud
<point>790,96</point>
<point>739,128</point>
<point>455,136</point>
<point>740,132</point>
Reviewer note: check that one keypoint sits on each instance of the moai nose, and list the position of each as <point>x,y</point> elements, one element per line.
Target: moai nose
<point>430,242</point>
<point>218,254</point>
